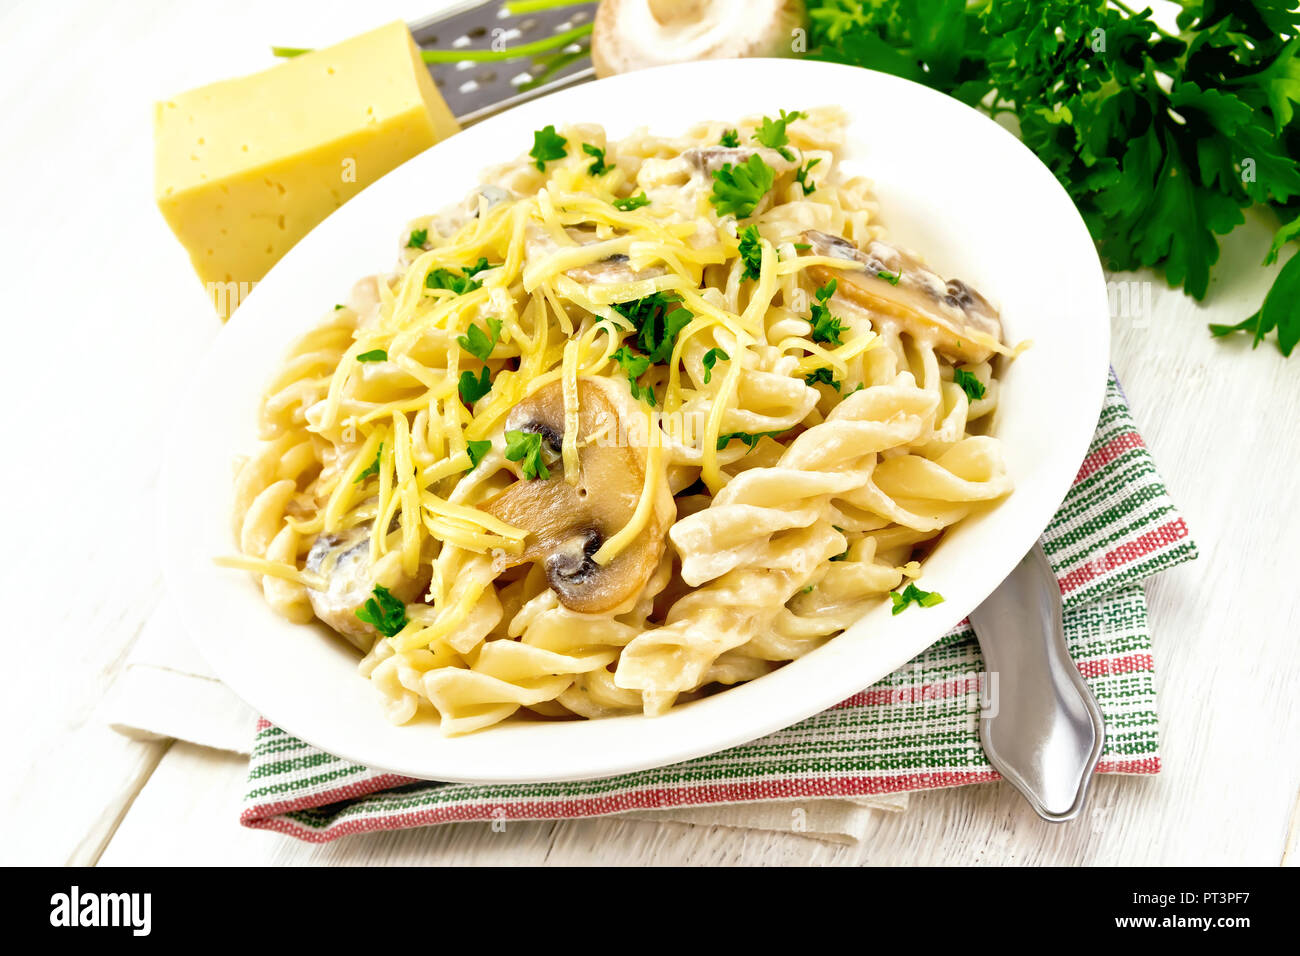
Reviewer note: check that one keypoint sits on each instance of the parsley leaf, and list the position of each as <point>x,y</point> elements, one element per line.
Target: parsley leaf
<point>472,388</point>
<point>824,376</point>
<point>385,613</point>
<point>547,145</point>
<point>891,277</point>
<point>751,252</point>
<point>1278,312</point>
<point>969,384</point>
<point>801,177</point>
<point>374,355</point>
<point>738,189</point>
<point>371,469</point>
<point>914,595</point>
<point>730,138</point>
<point>825,327</point>
<point>771,132</point>
<point>459,284</point>
<point>711,359</point>
<point>418,238</point>
<point>634,365</point>
<point>476,450</point>
<point>526,448</point>
<point>657,319</point>
<point>599,167</point>
<point>631,202</point>
<point>478,343</point>
<point>749,438</point>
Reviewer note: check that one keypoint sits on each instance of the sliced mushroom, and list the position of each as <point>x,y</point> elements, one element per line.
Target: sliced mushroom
<point>709,159</point>
<point>539,244</point>
<point>568,524</point>
<point>701,162</point>
<point>343,559</point>
<point>960,322</point>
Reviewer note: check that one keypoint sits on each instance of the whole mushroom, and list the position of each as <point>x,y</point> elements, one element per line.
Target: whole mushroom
<point>635,34</point>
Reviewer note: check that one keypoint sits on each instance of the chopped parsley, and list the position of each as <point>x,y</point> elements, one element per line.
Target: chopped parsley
<point>751,252</point>
<point>771,132</point>
<point>385,613</point>
<point>634,365</point>
<point>471,388</point>
<point>822,375</point>
<point>711,359</point>
<point>826,327</point>
<point>476,450</point>
<point>418,238</point>
<point>526,448</point>
<point>914,595</point>
<point>971,385</point>
<point>372,468</point>
<point>459,284</point>
<point>730,138</point>
<point>657,319</point>
<point>374,355</point>
<point>599,167</point>
<point>749,438</point>
<point>547,145</point>
<point>801,177</point>
<point>631,202</point>
<point>842,556</point>
<point>337,307</point>
<point>740,188</point>
<point>479,343</point>
<point>891,277</point>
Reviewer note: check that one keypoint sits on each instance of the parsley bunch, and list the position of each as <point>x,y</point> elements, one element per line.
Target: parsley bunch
<point>1161,139</point>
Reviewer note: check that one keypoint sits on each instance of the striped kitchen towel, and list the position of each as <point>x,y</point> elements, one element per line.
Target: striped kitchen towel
<point>914,730</point>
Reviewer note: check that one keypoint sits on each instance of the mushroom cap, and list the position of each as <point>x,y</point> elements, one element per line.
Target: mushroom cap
<point>569,523</point>
<point>960,322</point>
<point>343,560</point>
<point>635,34</point>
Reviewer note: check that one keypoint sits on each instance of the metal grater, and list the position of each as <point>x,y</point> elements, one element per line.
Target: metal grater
<point>476,90</point>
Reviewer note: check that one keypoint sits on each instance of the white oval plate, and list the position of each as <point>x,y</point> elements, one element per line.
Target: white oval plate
<point>951,183</point>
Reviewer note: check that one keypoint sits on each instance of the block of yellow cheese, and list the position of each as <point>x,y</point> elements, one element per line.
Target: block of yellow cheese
<point>246,167</point>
